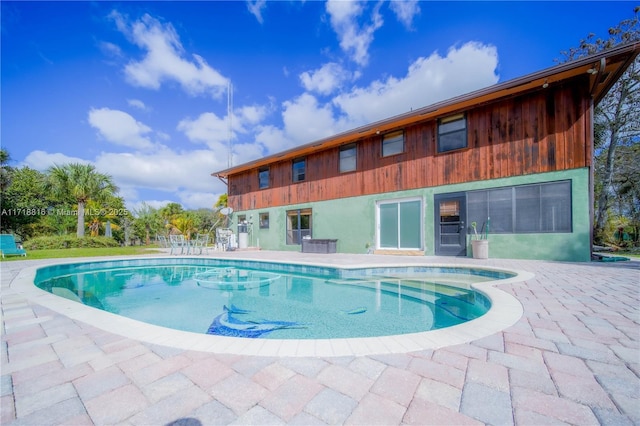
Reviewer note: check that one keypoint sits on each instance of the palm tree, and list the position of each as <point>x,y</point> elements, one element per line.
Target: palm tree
<point>148,217</point>
<point>184,225</point>
<point>82,183</point>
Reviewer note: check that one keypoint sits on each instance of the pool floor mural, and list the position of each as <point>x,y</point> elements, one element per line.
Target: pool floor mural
<point>226,324</point>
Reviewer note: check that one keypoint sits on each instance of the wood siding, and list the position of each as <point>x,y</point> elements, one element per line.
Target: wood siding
<point>538,132</point>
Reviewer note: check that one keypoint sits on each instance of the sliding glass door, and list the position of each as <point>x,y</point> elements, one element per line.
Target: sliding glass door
<point>400,224</point>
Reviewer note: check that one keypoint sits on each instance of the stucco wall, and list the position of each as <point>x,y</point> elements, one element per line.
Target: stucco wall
<point>353,221</point>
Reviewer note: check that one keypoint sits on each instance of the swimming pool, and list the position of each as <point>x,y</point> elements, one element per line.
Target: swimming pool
<point>246,298</point>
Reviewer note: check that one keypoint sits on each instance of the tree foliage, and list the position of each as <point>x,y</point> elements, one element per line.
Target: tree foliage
<point>147,222</point>
<point>80,183</point>
<point>24,201</point>
<point>71,198</point>
<point>184,224</point>
<point>616,126</point>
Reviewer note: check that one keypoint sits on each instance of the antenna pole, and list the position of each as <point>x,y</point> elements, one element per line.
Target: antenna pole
<point>230,114</point>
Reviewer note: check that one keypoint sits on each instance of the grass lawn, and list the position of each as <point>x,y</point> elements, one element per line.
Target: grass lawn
<point>634,254</point>
<point>84,252</point>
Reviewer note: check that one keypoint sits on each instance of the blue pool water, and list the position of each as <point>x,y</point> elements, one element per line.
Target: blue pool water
<point>271,300</point>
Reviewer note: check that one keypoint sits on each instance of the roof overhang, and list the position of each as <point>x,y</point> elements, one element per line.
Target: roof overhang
<point>603,68</point>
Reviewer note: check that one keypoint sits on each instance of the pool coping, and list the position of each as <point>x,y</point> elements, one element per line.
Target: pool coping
<point>506,310</point>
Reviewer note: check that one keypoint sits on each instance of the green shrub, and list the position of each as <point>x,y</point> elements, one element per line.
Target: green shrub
<point>68,241</point>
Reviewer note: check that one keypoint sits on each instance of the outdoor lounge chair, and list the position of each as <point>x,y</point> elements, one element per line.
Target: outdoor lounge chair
<point>8,246</point>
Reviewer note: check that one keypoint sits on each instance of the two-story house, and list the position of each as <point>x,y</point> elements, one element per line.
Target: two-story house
<point>516,158</point>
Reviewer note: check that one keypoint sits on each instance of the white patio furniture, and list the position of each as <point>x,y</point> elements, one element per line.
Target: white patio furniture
<point>178,242</point>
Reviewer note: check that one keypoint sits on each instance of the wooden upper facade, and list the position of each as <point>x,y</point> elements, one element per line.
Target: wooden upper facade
<point>535,124</point>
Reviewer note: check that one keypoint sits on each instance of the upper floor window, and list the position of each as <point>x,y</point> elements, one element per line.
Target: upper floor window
<point>299,169</point>
<point>348,158</point>
<point>452,133</point>
<point>263,177</point>
<point>393,143</point>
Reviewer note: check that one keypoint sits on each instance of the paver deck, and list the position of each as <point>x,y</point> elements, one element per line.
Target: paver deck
<point>573,357</point>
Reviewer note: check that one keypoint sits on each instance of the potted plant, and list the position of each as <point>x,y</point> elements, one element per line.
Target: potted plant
<point>479,242</point>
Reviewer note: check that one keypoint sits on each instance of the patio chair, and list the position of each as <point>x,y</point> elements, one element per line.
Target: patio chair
<point>9,247</point>
<point>200,243</point>
<point>178,242</point>
<point>162,241</point>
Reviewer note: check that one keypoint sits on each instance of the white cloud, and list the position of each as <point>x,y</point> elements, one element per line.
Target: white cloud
<point>137,103</point>
<point>405,11</point>
<point>164,170</point>
<point>208,128</point>
<point>42,160</point>
<point>163,136</point>
<point>251,114</point>
<point>305,119</point>
<point>244,152</point>
<point>110,49</point>
<point>184,176</point>
<point>256,7</point>
<point>164,59</point>
<point>428,80</point>
<point>120,128</point>
<point>194,200</point>
<point>354,39</point>
<point>213,131</point>
<point>272,138</point>
<point>326,79</point>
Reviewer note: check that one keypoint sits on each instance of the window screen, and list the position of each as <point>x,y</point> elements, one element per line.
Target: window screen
<point>500,210</point>
<point>523,209</point>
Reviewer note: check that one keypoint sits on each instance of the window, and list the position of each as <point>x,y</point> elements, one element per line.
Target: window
<point>242,223</point>
<point>523,209</point>
<point>393,143</point>
<point>348,158</point>
<point>544,208</point>
<point>400,224</point>
<point>264,220</point>
<point>298,225</point>
<point>299,169</point>
<point>452,133</point>
<point>263,177</point>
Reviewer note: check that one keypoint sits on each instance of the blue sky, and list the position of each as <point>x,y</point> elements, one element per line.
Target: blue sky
<point>139,89</point>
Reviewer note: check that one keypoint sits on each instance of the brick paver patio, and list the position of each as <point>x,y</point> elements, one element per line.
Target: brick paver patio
<point>572,358</point>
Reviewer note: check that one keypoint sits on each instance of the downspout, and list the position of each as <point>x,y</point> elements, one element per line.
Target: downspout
<point>591,136</point>
<point>597,75</point>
